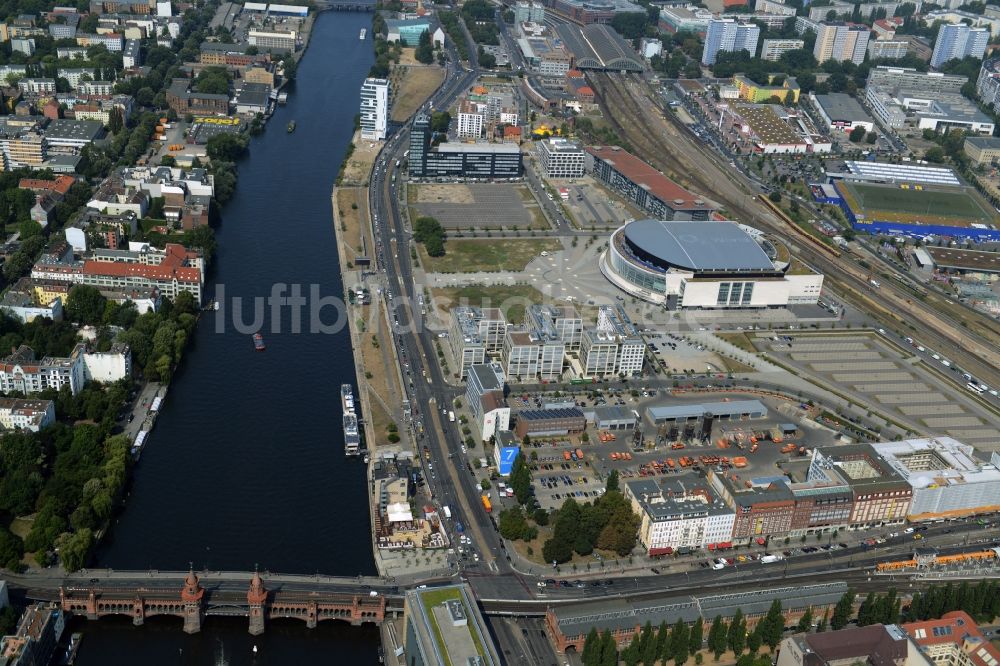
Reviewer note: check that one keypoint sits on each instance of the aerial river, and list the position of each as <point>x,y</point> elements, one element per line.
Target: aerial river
<point>245,467</point>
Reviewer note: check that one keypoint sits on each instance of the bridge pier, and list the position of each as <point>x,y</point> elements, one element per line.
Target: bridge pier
<point>312,614</point>
<point>256,598</point>
<point>192,596</point>
<point>138,611</point>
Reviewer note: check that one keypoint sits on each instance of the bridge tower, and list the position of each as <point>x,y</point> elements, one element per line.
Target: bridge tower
<point>191,596</point>
<point>256,598</point>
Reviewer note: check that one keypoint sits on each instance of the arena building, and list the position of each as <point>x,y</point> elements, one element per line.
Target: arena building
<point>704,264</point>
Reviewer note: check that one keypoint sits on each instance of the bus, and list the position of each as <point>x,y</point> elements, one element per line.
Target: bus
<point>486,504</point>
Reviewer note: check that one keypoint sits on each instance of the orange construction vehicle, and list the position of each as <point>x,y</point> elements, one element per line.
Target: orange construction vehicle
<point>614,455</point>
<point>670,463</point>
<point>788,448</point>
<point>753,449</point>
<point>739,462</point>
<point>677,446</point>
<point>628,456</point>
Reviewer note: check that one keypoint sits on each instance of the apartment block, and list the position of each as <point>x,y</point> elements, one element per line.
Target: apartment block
<point>32,415</point>
<point>484,393</point>
<point>729,35</point>
<point>771,49</point>
<point>560,322</point>
<point>958,40</point>
<point>679,512</point>
<point>474,332</point>
<point>841,41</point>
<point>527,355</point>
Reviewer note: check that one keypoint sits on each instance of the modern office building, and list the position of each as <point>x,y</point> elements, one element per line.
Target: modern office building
<point>729,35</point>
<point>613,321</point>
<point>705,265</point>
<point>530,354</point>
<point>958,40</point>
<point>771,49</point>
<point>561,158</point>
<point>406,31</point>
<point>474,332</point>
<point>841,41</point>
<point>685,19</point>
<point>679,512</point>
<point>562,323</point>
<point>529,12</point>
<point>460,160</point>
<point>374,109</point>
<point>644,186</point>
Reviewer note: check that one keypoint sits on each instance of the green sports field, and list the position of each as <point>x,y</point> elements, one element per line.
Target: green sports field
<point>892,203</point>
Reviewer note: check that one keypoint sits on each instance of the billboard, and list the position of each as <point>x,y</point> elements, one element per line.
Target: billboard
<point>505,459</point>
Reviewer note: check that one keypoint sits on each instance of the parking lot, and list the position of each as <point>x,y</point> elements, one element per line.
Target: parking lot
<point>591,205</point>
<point>477,205</point>
<point>904,383</point>
<point>678,354</point>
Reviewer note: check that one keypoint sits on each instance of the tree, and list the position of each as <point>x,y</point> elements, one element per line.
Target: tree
<point>772,626</point>
<point>718,637</point>
<point>520,479</point>
<point>805,622</point>
<point>934,154</point>
<point>857,134</point>
<point>85,305</point>
<point>440,120</point>
<point>212,80</point>
<point>513,525</point>
<point>612,482</point>
<point>429,231</point>
<point>609,649</point>
<point>227,147</point>
<point>696,636</point>
<point>425,50</point>
<point>591,655</point>
<point>775,196</point>
<point>842,611</point>
<point>737,638</point>
<point>821,627</point>
<point>679,638</point>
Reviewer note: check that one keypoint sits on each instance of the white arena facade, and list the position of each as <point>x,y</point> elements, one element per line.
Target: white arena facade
<point>706,265</point>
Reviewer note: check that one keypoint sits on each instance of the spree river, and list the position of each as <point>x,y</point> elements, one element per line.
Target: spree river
<point>246,466</point>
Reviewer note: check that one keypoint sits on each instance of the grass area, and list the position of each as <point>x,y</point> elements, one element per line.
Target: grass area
<point>416,85</point>
<point>740,340</point>
<point>491,255</point>
<point>434,598</point>
<point>798,268</point>
<point>349,206</point>
<point>512,300</point>
<point>21,527</point>
<point>734,366</point>
<point>895,204</point>
<point>382,382</point>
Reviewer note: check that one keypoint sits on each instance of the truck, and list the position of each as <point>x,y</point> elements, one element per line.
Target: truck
<point>770,559</point>
<point>447,511</point>
<point>566,456</point>
<point>451,416</point>
<point>487,504</point>
<point>579,454</point>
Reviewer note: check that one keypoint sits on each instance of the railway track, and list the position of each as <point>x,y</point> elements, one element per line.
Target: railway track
<point>633,114</point>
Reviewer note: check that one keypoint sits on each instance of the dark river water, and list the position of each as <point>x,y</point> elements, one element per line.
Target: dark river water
<point>246,466</point>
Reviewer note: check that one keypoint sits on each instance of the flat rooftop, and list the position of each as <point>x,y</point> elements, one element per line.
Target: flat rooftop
<point>768,125</point>
<point>842,107</point>
<point>697,410</point>
<point>648,178</point>
<point>699,246</point>
<point>507,148</point>
<point>910,173</point>
<point>969,260</point>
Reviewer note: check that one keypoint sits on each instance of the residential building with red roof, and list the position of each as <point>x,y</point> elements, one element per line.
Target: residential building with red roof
<point>953,640</point>
<point>57,188</point>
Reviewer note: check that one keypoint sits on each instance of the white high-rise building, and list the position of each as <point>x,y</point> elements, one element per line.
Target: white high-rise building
<point>958,40</point>
<point>374,109</point>
<point>729,35</point>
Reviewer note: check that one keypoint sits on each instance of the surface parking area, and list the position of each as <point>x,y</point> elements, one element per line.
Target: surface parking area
<point>478,206</point>
<point>903,383</point>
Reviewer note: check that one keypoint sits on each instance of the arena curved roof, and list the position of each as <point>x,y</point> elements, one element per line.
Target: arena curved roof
<point>698,246</point>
